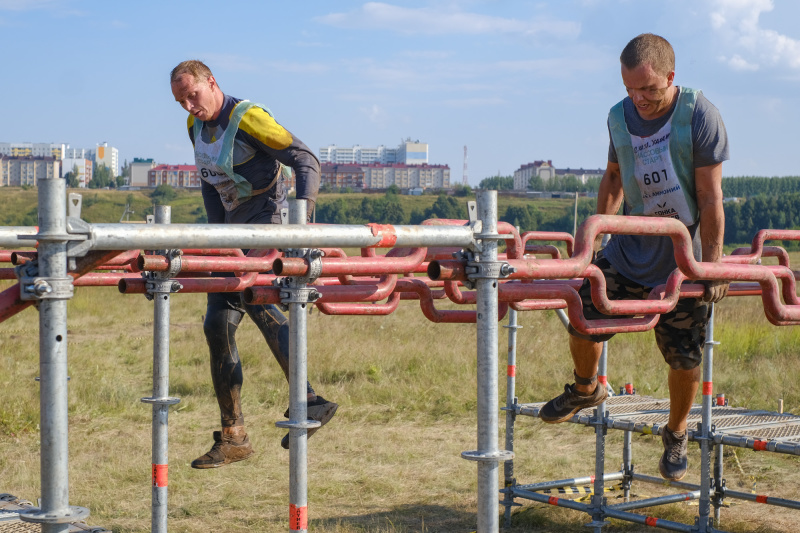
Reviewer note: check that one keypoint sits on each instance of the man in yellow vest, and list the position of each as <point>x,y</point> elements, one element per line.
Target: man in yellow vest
<point>664,159</point>
<point>242,154</point>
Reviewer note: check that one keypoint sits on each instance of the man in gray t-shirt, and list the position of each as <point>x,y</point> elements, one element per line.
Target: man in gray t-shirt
<point>664,159</point>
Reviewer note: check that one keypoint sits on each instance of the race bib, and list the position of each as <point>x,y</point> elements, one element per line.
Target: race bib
<point>662,193</point>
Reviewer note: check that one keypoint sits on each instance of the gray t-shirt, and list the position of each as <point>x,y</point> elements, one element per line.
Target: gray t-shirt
<point>650,260</point>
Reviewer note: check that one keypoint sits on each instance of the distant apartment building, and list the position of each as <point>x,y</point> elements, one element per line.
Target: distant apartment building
<point>25,149</point>
<point>108,156</point>
<point>27,170</point>
<point>546,171</point>
<point>408,152</point>
<point>523,175</point>
<point>341,176</point>
<point>185,176</point>
<point>139,172</point>
<point>83,167</point>
<point>582,174</point>
<point>379,176</point>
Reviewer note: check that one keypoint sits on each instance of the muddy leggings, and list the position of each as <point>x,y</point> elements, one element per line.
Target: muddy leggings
<point>223,315</point>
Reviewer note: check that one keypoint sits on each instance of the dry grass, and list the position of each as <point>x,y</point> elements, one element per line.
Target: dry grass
<point>390,460</point>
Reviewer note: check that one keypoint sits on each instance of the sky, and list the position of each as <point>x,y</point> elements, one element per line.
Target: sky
<point>513,81</point>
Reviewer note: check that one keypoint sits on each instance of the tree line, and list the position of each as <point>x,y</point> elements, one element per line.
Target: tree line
<point>743,218</point>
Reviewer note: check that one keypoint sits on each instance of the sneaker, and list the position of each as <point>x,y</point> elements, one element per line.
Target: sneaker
<point>320,410</point>
<point>224,451</point>
<point>674,461</point>
<point>564,406</point>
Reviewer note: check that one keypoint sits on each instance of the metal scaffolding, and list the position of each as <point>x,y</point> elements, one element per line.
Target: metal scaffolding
<point>454,259</point>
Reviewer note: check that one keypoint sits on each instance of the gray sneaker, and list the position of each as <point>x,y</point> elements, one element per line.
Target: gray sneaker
<point>563,407</point>
<point>320,410</point>
<point>674,461</point>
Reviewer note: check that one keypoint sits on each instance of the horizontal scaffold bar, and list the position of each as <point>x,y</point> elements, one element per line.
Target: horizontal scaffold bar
<point>130,236</point>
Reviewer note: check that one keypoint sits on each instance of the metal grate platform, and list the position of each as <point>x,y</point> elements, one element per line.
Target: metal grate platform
<point>10,507</point>
<point>737,426</point>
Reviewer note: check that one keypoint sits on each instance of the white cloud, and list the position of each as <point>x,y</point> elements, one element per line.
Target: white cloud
<point>737,23</point>
<point>374,113</point>
<point>737,62</point>
<point>439,21</point>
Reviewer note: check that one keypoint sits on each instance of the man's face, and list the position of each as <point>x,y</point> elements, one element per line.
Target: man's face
<point>198,97</point>
<point>652,93</point>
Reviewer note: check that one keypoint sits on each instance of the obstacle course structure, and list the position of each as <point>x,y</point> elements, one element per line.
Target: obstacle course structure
<point>457,260</point>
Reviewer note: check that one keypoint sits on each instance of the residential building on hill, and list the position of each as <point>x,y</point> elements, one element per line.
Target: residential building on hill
<point>173,175</point>
<point>379,176</point>
<point>83,166</point>
<point>27,170</point>
<point>408,152</point>
<point>139,172</point>
<point>54,150</point>
<point>546,171</point>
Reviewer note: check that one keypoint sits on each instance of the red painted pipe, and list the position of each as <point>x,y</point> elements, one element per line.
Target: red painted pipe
<point>373,309</point>
<point>230,252</point>
<point>159,263</point>
<point>392,263</point>
<point>549,236</point>
<point>20,258</point>
<point>10,302</point>
<point>192,285</point>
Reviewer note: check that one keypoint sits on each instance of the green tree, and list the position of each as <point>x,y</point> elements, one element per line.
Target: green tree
<point>536,183</point>
<point>461,191</point>
<point>72,177</point>
<point>101,177</point>
<point>163,194</point>
<point>497,183</point>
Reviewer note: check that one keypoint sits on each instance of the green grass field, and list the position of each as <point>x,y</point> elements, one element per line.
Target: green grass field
<point>390,459</point>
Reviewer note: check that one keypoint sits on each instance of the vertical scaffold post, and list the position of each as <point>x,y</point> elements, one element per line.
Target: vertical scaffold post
<point>296,295</point>
<point>159,287</point>
<point>486,271</point>
<point>511,413</point>
<point>52,288</point>
<point>599,423</point>
<point>705,439</point>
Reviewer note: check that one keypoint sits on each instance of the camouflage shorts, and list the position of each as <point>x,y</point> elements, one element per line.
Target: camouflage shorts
<point>680,334</point>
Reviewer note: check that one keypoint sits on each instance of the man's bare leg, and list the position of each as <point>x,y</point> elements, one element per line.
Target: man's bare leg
<point>586,358</point>
<point>683,385</point>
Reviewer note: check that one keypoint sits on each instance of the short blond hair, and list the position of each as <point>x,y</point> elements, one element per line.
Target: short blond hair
<point>651,49</point>
<point>195,67</point>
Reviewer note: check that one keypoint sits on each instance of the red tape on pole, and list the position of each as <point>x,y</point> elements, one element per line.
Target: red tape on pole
<point>298,518</point>
<point>651,521</point>
<point>512,371</point>
<point>386,233</point>
<point>552,500</point>
<point>160,475</point>
<point>761,499</point>
<point>760,445</point>
<point>708,387</point>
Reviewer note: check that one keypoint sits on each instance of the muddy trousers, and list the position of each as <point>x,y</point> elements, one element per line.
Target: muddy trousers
<point>223,316</point>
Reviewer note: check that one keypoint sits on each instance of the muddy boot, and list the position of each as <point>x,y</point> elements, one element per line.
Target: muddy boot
<point>320,410</point>
<point>225,450</point>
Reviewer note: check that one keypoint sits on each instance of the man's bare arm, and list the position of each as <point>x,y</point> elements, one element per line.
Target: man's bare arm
<point>708,189</point>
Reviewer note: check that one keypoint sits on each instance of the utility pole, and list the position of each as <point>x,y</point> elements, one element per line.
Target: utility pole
<point>464,178</point>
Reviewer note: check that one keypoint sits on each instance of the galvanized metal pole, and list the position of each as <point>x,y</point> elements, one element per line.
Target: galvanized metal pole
<point>705,428</point>
<point>296,295</point>
<point>53,288</point>
<point>486,272</point>
<point>511,414</point>
<point>598,498</point>
<point>159,288</point>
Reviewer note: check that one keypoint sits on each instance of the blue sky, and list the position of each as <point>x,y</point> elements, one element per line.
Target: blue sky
<point>515,81</point>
